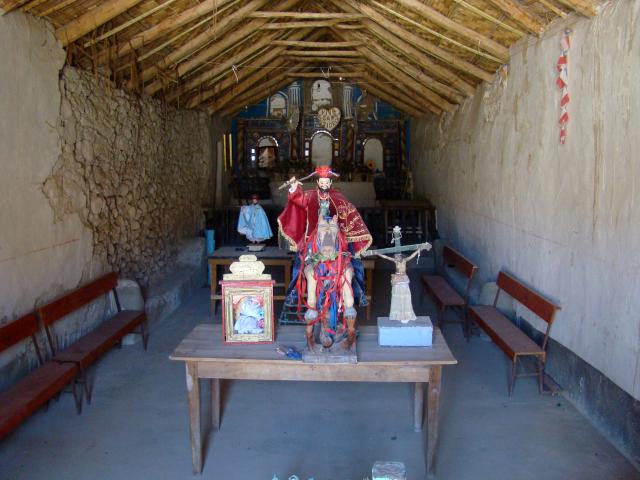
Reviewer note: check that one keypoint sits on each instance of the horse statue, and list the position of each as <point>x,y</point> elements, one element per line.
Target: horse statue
<point>330,317</point>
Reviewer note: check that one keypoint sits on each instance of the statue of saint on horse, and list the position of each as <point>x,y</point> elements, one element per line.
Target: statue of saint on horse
<point>330,315</point>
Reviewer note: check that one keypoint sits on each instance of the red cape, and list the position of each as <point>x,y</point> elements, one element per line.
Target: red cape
<point>300,218</point>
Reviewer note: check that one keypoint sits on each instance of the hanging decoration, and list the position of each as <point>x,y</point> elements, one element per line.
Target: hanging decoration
<point>563,83</point>
<point>329,117</point>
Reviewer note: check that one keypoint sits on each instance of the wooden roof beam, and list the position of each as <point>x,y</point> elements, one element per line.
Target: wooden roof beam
<point>266,89</point>
<point>215,70</point>
<point>339,75</point>
<point>208,7</point>
<point>306,24</point>
<point>246,77</point>
<point>391,70</point>
<point>7,5</point>
<point>93,19</point>
<point>585,7</point>
<point>520,14</point>
<point>383,93</point>
<point>307,44</point>
<point>405,40</point>
<point>450,93</point>
<point>347,17</point>
<point>220,29</point>
<point>476,39</point>
<point>322,53</point>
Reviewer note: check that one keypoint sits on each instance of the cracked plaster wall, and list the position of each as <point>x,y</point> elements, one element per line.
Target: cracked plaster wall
<point>135,171</point>
<point>92,180</point>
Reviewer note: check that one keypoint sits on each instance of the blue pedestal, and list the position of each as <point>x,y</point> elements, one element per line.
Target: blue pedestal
<point>392,333</point>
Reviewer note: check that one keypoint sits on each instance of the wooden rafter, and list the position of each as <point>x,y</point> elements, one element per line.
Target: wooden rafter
<point>92,19</point>
<point>303,44</point>
<point>520,14</point>
<point>230,88</point>
<point>208,8</point>
<point>347,17</point>
<point>585,7</point>
<point>218,31</point>
<point>392,32</point>
<point>9,5</point>
<point>217,69</point>
<point>266,89</point>
<point>322,53</point>
<point>475,39</point>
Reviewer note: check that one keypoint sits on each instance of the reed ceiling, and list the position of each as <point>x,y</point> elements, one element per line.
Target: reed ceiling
<point>219,55</point>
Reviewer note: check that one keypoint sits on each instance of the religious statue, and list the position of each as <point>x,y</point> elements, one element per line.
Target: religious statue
<point>253,222</point>
<point>329,235</point>
<point>401,306</point>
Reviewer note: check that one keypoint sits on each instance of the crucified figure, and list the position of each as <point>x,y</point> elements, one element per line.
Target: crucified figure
<point>401,307</point>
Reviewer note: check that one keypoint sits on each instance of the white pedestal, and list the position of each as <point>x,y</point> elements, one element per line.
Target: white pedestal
<point>392,333</point>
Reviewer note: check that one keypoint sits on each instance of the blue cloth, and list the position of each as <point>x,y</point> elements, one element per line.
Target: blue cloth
<point>254,224</point>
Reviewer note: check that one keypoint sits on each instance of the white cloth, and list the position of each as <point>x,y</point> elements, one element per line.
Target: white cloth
<point>249,317</point>
<point>401,307</point>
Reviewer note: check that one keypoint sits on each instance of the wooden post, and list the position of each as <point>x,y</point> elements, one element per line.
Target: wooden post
<point>433,404</point>
<point>215,403</point>
<point>193,397</point>
<point>418,407</point>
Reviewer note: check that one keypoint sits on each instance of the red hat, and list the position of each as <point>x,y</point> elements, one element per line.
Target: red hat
<point>325,172</point>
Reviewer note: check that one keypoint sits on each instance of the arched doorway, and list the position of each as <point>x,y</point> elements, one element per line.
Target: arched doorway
<point>321,148</point>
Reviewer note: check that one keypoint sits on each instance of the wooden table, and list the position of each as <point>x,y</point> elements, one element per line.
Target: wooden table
<point>205,356</point>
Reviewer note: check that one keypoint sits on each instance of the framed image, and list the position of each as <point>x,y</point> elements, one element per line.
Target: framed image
<point>247,311</point>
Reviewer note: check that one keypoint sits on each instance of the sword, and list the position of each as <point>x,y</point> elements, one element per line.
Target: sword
<point>288,183</point>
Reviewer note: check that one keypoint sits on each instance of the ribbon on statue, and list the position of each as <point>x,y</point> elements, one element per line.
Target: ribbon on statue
<point>562,81</point>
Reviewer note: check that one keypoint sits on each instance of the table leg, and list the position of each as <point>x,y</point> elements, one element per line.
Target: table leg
<point>215,403</point>
<point>193,396</point>
<point>287,276</point>
<point>433,401</point>
<point>214,286</point>
<point>368,278</point>
<point>418,407</point>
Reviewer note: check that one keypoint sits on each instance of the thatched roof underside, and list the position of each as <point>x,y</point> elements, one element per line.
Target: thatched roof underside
<point>219,55</point>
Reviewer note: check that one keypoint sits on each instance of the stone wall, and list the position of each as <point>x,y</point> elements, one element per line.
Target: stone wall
<point>564,218</point>
<point>135,171</point>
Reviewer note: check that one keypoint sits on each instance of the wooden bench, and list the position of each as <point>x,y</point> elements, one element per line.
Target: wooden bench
<point>89,348</point>
<point>39,386</point>
<point>444,294</point>
<point>511,340</point>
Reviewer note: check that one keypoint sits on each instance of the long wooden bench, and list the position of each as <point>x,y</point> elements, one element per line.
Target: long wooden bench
<point>511,340</point>
<point>444,294</point>
<point>84,352</point>
<point>39,386</point>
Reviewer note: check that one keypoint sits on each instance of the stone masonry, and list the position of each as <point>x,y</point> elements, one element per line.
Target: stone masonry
<point>135,171</point>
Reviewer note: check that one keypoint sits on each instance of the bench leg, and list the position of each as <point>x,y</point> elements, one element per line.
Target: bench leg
<point>77,397</point>
<point>87,384</point>
<point>540,375</point>
<point>514,371</point>
<point>144,329</point>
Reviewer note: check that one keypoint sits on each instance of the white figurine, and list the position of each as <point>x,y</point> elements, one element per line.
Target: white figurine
<point>253,222</point>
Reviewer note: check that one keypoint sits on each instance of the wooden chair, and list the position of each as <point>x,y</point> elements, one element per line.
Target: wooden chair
<point>89,348</point>
<point>444,294</point>
<point>511,340</point>
<point>39,386</point>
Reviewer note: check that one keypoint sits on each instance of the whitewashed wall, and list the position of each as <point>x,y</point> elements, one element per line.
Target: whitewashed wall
<point>566,219</point>
<point>39,257</point>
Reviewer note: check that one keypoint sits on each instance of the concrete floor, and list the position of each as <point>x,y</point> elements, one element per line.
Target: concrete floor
<point>137,426</point>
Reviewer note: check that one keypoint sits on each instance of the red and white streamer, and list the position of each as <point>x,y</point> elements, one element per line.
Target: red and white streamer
<point>563,83</point>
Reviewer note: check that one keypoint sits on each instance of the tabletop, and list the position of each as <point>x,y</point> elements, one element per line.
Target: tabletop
<point>204,343</point>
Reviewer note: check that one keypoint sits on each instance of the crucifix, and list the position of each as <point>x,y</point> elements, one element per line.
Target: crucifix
<point>401,307</point>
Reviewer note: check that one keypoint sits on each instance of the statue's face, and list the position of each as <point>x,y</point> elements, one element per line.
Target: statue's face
<point>324,184</point>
